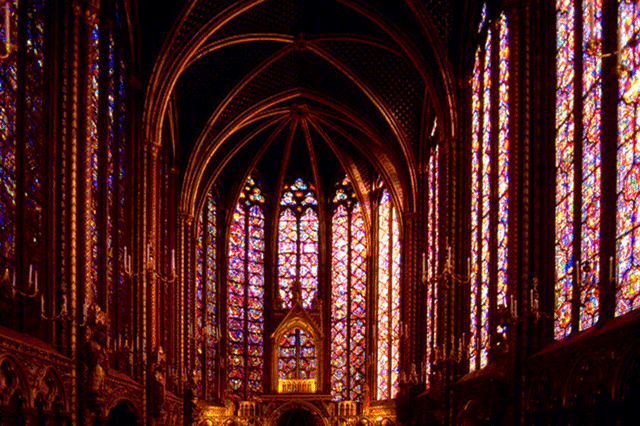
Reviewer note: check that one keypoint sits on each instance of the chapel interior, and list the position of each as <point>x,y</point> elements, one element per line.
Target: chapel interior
<point>319,212</point>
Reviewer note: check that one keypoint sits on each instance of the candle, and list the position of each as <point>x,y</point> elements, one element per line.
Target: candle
<point>148,252</point>
<point>42,303</point>
<point>36,281</point>
<point>611,274</point>
<point>30,274</point>
<point>173,259</point>
<point>64,302</point>
<point>424,263</point>
<point>7,34</point>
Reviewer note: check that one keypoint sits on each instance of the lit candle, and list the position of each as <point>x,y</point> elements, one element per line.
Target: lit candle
<point>7,35</point>
<point>36,281</point>
<point>424,263</point>
<point>173,259</point>
<point>30,274</point>
<point>42,303</point>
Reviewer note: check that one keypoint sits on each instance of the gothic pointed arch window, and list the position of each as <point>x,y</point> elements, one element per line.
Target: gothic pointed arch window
<point>348,294</point>
<point>388,303</point>
<point>245,295</point>
<point>207,326</point>
<point>298,243</point>
<point>489,186</point>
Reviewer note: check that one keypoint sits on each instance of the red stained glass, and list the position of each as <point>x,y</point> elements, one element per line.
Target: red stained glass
<point>388,313</point>
<point>348,296</point>
<point>431,261</point>
<point>569,168</point>
<point>245,303</point>
<point>298,244</point>
<point>628,162</point>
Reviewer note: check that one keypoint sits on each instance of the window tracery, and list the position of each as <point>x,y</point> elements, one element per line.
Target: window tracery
<point>348,295</point>
<point>489,188</point>
<point>245,301</point>
<point>298,243</point>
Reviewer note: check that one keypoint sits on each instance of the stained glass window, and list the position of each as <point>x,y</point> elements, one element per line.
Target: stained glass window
<point>430,261</point>
<point>348,295</point>
<point>388,309</point>
<point>297,356</point>
<point>22,147</point>
<point>93,141</point>
<point>298,244</point>
<point>207,326</point>
<point>245,303</point>
<point>8,164</point>
<point>578,164</point>
<point>489,167</point>
<point>628,161</point>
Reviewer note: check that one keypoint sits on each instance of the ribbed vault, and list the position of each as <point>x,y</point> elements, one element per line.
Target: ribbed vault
<point>323,87</point>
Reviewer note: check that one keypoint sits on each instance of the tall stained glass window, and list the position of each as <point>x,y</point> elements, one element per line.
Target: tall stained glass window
<point>489,187</point>
<point>388,309</point>
<point>348,295</point>
<point>245,303</point>
<point>94,152</point>
<point>628,161</point>
<point>578,164</point>
<point>23,158</point>
<point>207,326</point>
<point>298,244</point>
<point>430,260</point>
<point>8,163</point>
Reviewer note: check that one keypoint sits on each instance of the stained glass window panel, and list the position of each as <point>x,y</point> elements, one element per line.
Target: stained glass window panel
<point>431,261</point>
<point>245,302</point>
<point>591,162</point>
<point>388,309</point>
<point>475,210</point>
<point>628,162</point>
<point>348,296</point>
<point>298,244</point>
<point>8,86</point>
<point>565,174</point>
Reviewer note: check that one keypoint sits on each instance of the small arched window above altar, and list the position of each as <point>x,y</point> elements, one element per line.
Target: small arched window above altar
<point>297,353</point>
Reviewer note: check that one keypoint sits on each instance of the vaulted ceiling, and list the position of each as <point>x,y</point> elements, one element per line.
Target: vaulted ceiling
<point>285,87</point>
